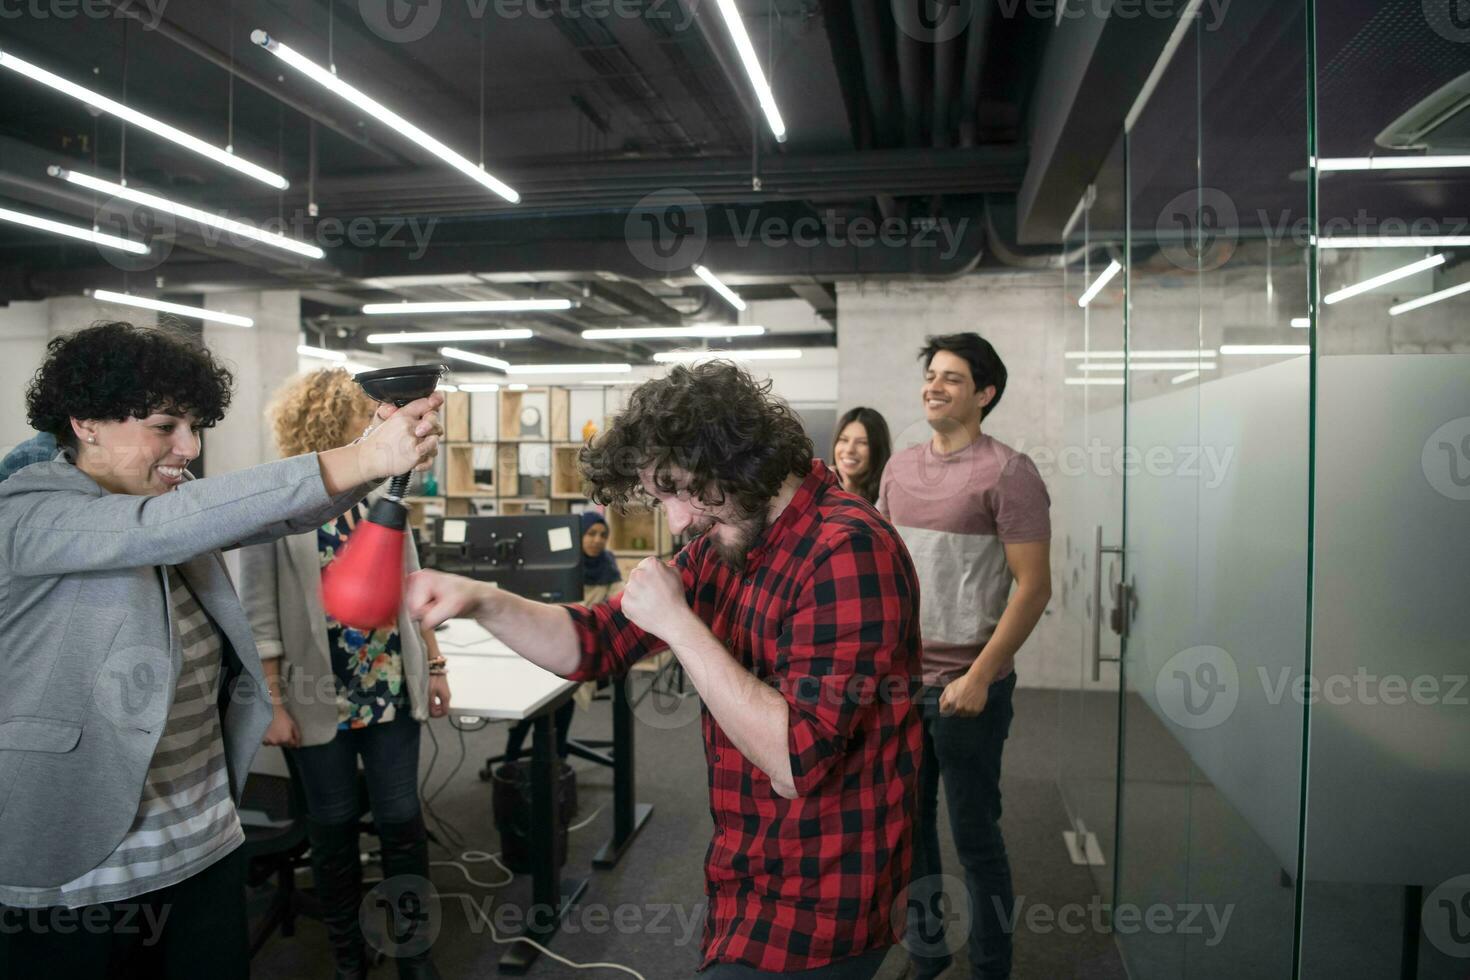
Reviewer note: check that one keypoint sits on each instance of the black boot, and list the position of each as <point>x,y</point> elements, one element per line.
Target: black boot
<point>337,868</point>
<point>406,852</point>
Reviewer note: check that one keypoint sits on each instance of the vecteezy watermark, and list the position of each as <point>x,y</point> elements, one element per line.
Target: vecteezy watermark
<point>1207,464</point>
<point>1201,687</point>
<point>667,230</point>
<point>1450,19</point>
<point>1445,917</point>
<point>406,21</point>
<point>115,919</point>
<point>1198,688</point>
<point>659,707</point>
<point>1199,229</point>
<point>934,916</point>
<point>937,21</point>
<point>67,10</point>
<point>159,231</point>
<point>1074,918</point>
<point>682,921</point>
<point>401,916</point>
<point>1446,459</point>
<point>131,688</point>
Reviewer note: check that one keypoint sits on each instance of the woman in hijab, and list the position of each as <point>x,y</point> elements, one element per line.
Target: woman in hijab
<point>601,579</point>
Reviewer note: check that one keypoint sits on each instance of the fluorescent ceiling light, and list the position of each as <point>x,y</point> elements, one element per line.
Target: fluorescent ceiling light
<point>1340,164</point>
<point>475,386</point>
<point>185,211</point>
<point>518,387</point>
<point>1093,355</point>
<point>1094,381</point>
<point>136,118</point>
<point>1265,349</point>
<point>1394,241</point>
<point>567,368</point>
<point>473,358</point>
<point>198,312</point>
<point>1151,366</point>
<point>72,231</point>
<point>446,279</point>
<point>1423,301</point>
<point>321,353</point>
<point>1181,378</point>
<point>743,46</point>
<point>1105,277</point>
<point>468,306</point>
<point>658,333</point>
<point>441,386</point>
<point>1395,275</point>
<point>613,381</point>
<point>439,336</point>
<point>1301,322</point>
<point>691,356</point>
<point>713,282</point>
<point>365,103</point>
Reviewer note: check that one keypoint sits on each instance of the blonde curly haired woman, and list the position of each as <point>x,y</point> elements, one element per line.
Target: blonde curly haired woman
<point>343,693</point>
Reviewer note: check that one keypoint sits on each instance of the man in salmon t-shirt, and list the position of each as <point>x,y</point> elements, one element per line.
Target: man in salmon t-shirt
<point>973,513</point>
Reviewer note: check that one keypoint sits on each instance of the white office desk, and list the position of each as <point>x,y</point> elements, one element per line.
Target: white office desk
<point>490,680</point>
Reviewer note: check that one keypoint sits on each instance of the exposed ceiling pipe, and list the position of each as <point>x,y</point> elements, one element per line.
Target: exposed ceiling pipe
<point>1021,258</point>
<point>877,82</point>
<point>976,40</point>
<point>910,84</point>
<point>944,54</point>
<point>266,84</point>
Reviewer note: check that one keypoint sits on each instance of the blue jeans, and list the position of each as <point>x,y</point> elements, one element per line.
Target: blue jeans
<point>965,753</point>
<point>390,762</point>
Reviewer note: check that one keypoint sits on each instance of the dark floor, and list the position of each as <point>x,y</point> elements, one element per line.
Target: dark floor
<point>645,913</point>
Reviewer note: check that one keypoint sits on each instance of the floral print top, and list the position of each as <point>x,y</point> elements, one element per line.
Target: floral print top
<point>368,665</point>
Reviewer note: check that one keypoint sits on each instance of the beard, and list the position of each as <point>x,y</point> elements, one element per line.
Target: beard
<point>746,533</point>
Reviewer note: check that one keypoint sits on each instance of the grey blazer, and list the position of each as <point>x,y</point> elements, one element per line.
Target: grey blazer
<point>88,658</point>
<point>281,586</point>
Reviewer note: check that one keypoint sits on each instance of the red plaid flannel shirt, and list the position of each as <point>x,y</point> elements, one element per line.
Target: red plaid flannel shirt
<point>827,610</point>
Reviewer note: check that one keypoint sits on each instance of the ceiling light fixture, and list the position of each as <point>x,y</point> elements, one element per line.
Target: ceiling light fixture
<point>365,103</point>
<point>440,336</point>
<point>1105,277</point>
<point>1394,241</point>
<point>1347,164</point>
<point>567,368</point>
<point>1301,322</point>
<point>1367,285</point>
<point>671,333</point>
<point>1085,355</point>
<point>467,306</point>
<point>1265,349</point>
<point>473,358</point>
<point>133,117</point>
<point>72,231</point>
<point>197,312</point>
<point>746,51</point>
<point>1423,301</point>
<point>694,356</point>
<point>187,212</point>
<point>1094,381</point>
<point>1181,378</point>
<point>1151,366</point>
<point>476,386</point>
<point>321,353</point>
<point>713,282</point>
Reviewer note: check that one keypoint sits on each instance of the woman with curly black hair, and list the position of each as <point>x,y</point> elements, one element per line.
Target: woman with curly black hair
<point>132,699</point>
<point>795,613</point>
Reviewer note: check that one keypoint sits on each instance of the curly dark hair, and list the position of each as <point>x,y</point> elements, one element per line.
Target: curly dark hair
<point>737,442</point>
<point>113,370</point>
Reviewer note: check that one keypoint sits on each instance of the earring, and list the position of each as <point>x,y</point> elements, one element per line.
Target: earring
<point>92,439</point>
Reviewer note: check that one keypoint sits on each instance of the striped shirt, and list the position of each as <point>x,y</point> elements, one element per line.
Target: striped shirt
<point>186,819</point>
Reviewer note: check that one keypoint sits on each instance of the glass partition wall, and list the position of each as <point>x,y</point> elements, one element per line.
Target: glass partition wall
<point>1265,757</point>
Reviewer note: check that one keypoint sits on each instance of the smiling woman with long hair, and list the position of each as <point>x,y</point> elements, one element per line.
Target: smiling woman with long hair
<point>131,693</point>
<point>860,451</point>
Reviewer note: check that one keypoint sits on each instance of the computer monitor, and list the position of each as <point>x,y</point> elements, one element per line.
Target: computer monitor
<point>538,556</point>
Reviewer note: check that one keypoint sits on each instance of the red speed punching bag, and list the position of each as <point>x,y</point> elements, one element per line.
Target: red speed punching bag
<point>363,587</point>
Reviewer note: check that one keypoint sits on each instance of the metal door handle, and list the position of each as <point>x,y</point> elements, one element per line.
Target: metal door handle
<point>1098,550</point>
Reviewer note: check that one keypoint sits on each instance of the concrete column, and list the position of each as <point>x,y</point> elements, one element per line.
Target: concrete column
<point>262,357</point>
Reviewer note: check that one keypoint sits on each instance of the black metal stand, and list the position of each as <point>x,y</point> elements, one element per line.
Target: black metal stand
<point>1413,913</point>
<point>629,816</point>
<point>551,895</point>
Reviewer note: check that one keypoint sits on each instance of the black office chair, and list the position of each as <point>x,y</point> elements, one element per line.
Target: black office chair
<point>273,816</point>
